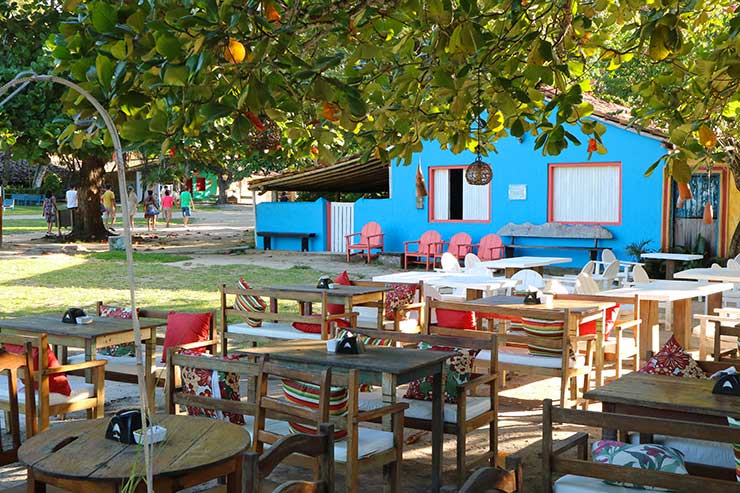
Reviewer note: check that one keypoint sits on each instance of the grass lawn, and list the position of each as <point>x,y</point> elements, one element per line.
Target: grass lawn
<point>53,283</point>
<point>20,226</point>
<point>23,209</point>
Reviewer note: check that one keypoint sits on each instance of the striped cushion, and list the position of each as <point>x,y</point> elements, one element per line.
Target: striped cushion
<point>307,395</point>
<point>544,328</point>
<point>735,423</point>
<point>249,303</point>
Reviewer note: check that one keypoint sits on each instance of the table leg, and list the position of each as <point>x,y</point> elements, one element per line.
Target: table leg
<point>714,301</point>
<point>509,271</point>
<point>670,268</point>
<point>682,322</point>
<point>473,294</point>
<point>648,328</point>
<point>90,347</point>
<point>151,383</point>
<point>234,480</point>
<point>381,310</point>
<point>389,384</point>
<point>437,430</point>
<point>608,433</point>
<point>33,486</point>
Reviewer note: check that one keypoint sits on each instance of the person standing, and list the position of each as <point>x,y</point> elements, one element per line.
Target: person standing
<point>133,202</point>
<point>167,202</point>
<point>108,199</point>
<point>150,210</point>
<point>72,203</point>
<point>49,211</point>
<point>187,204</point>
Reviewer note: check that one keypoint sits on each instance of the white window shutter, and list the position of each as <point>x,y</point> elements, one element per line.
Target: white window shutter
<point>586,194</point>
<point>441,182</point>
<point>475,201</point>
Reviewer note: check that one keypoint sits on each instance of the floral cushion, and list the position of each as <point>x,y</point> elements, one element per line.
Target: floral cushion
<point>735,423</point>
<point>307,395</point>
<point>458,368</point>
<point>642,456</point>
<point>398,296</point>
<point>117,350</point>
<point>199,381</point>
<point>672,359</point>
<point>249,303</point>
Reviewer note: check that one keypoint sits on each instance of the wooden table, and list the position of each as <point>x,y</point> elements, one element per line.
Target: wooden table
<point>671,259</point>
<point>340,294</point>
<point>102,332</point>
<point>680,294</point>
<point>659,396</point>
<point>717,275</point>
<point>580,307</point>
<point>513,265</point>
<point>474,284</point>
<point>196,450</point>
<point>384,366</point>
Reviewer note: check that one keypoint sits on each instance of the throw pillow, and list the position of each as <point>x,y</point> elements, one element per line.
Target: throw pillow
<point>672,359</point>
<point>552,329</point>
<point>200,382</point>
<point>458,369</point>
<point>117,350</point>
<point>337,308</point>
<point>643,456</point>
<point>308,395</point>
<point>58,382</point>
<point>455,319</point>
<point>589,328</point>
<point>310,328</point>
<point>184,328</point>
<point>399,295</point>
<point>735,423</point>
<point>249,303</point>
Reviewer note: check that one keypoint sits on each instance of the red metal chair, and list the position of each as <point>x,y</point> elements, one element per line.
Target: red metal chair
<point>490,247</point>
<point>459,245</point>
<point>371,238</point>
<point>428,247</point>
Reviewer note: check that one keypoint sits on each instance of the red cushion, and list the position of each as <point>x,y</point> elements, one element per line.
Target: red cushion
<point>456,319</point>
<point>589,328</point>
<point>337,308</point>
<point>316,328</point>
<point>58,382</point>
<point>184,328</point>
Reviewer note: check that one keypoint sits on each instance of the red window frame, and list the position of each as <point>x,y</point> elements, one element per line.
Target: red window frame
<point>550,192</point>
<point>430,179</point>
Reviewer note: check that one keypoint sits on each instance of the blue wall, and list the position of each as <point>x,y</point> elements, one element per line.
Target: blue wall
<point>293,217</point>
<point>519,163</point>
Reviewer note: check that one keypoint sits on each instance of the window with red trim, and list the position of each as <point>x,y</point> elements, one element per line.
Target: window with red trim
<point>453,199</point>
<point>589,193</point>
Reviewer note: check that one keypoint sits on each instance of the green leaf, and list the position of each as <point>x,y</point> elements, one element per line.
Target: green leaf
<point>103,17</point>
<point>71,5</point>
<point>681,170</point>
<point>78,139</point>
<point>175,75</point>
<point>158,122</point>
<point>169,46</point>
<point>136,21</point>
<point>104,69</point>
<point>652,167</point>
<point>118,50</point>
<point>135,131</point>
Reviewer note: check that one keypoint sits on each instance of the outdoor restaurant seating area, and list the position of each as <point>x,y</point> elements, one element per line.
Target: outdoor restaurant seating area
<point>425,350</point>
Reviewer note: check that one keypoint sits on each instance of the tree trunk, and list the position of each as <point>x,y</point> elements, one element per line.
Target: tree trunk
<point>88,221</point>
<point>222,186</point>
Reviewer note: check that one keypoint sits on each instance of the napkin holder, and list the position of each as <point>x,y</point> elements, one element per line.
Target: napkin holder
<point>532,299</point>
<point>324,282</point>
<point>728,385</point>
<point>350,345</point>
<point>72,314</point>
<point>122,426</point>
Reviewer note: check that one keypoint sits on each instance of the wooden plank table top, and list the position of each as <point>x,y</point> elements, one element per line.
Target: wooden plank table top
<point>719,275</point>
<point>53,325</point>
<point>666,393</point>
<point>575,306</point>
<point>338,289</point>
<point>191,443</point>
<point>681,257</point>
<point>524,262</point>
<point>666,290</point>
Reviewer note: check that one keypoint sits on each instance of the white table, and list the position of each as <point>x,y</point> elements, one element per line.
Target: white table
<point>716,275</point>
<point>671,259</point>
<point>515,264</point>
<point>475,284</point>
<point>679,294</point>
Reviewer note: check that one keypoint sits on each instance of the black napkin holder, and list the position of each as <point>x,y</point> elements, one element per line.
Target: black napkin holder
<point>70,316</point>
<point>324,282</point>
<point>122,426</point>
<point>532,299</point>
<point>728,385</point>
<point>350,345</point>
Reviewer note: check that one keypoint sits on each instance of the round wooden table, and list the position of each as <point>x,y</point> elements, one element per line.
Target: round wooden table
<point>77,457</point>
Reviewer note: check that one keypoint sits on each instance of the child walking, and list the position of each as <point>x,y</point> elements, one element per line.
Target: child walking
<point>49,211</point>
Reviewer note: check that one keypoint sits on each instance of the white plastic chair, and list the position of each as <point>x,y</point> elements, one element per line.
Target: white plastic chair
<point>607,256</point>
<point>585,284</point>
<point>737,257</point>
<point>528,280</point>
<point>639,275</point>
<point>733,264</point>
<point>472,262</point>
<point>554,286</point>
<point>610,274</point>
<point>450,263</point>
<point>716,266</point>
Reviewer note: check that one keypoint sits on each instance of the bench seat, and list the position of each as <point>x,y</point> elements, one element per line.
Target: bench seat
<point>122,364</point>
<point>279,330</point>
<point>511,355</point>
<point>368,319</point>
<point>475,406</point>
<point>80,392</point>
<point>581,484</point>
<point>696,451</point>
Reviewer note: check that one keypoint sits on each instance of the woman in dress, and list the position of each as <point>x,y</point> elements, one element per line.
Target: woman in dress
<point>49,211</point>
<point>151,209</point>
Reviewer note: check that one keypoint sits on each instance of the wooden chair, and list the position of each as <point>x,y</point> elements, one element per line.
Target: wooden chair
<point>459,245</point>
<point>496,479</point>
<point>350,452</point>
<point>490,247</point>
<point>367,313</point>
<point>723,326</point>
<point>586,475</point>
<point>371,238</point>
<point>84,397</point>
<point>470,412</point>
<point>16,367</point>
<point>320,446</point>
<point>427,248</point>
<point>616,341</point>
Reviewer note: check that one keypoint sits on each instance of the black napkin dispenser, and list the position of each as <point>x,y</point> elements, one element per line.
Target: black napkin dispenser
<point>122,426</point>
<point>324,282</point>
<point>728,385</point>
<point>70,316</point>
<point>350,345</point>
<point>532,299</point>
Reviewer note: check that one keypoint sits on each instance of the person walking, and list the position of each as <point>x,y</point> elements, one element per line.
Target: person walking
<point>167,202</point>
<point>133,202</point>
<point>188,206</point>
<point>72,203</point>
<point>108,199</point>
<point>151,209</point>
<point>49,211</point>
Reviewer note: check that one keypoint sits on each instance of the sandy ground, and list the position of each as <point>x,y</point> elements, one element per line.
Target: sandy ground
<point>225,230</point>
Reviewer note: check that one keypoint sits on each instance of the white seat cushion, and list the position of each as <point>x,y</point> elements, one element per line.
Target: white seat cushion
<point>80,391</point>
<point>520,356</point>
<point>368,319</point>
<point>696,451</point>
<point>475,406</point>
<point>370,440</point>
<point>581,484</point>
<point>274,330</point>
<point>120,364</point>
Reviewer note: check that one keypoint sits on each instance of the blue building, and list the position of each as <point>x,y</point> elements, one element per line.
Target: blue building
<point>609,190</point>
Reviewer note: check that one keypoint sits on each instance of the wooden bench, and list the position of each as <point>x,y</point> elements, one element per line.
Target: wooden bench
<point>555,230</point>
<point>582,474</point>
<point>267,237</point>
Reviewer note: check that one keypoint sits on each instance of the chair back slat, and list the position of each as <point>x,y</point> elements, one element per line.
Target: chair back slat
<point>491,247</point>
<point>427,239</point>
<point>369,230</point>
<point>14,367</point>
<point>457,244</point>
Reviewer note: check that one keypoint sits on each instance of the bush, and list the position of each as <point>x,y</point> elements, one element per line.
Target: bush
<point>52,183</point>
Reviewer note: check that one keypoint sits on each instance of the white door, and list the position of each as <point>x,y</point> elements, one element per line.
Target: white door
<point>342,222</point>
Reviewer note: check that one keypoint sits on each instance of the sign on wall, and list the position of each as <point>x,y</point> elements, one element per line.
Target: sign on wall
<point>518,192</point>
